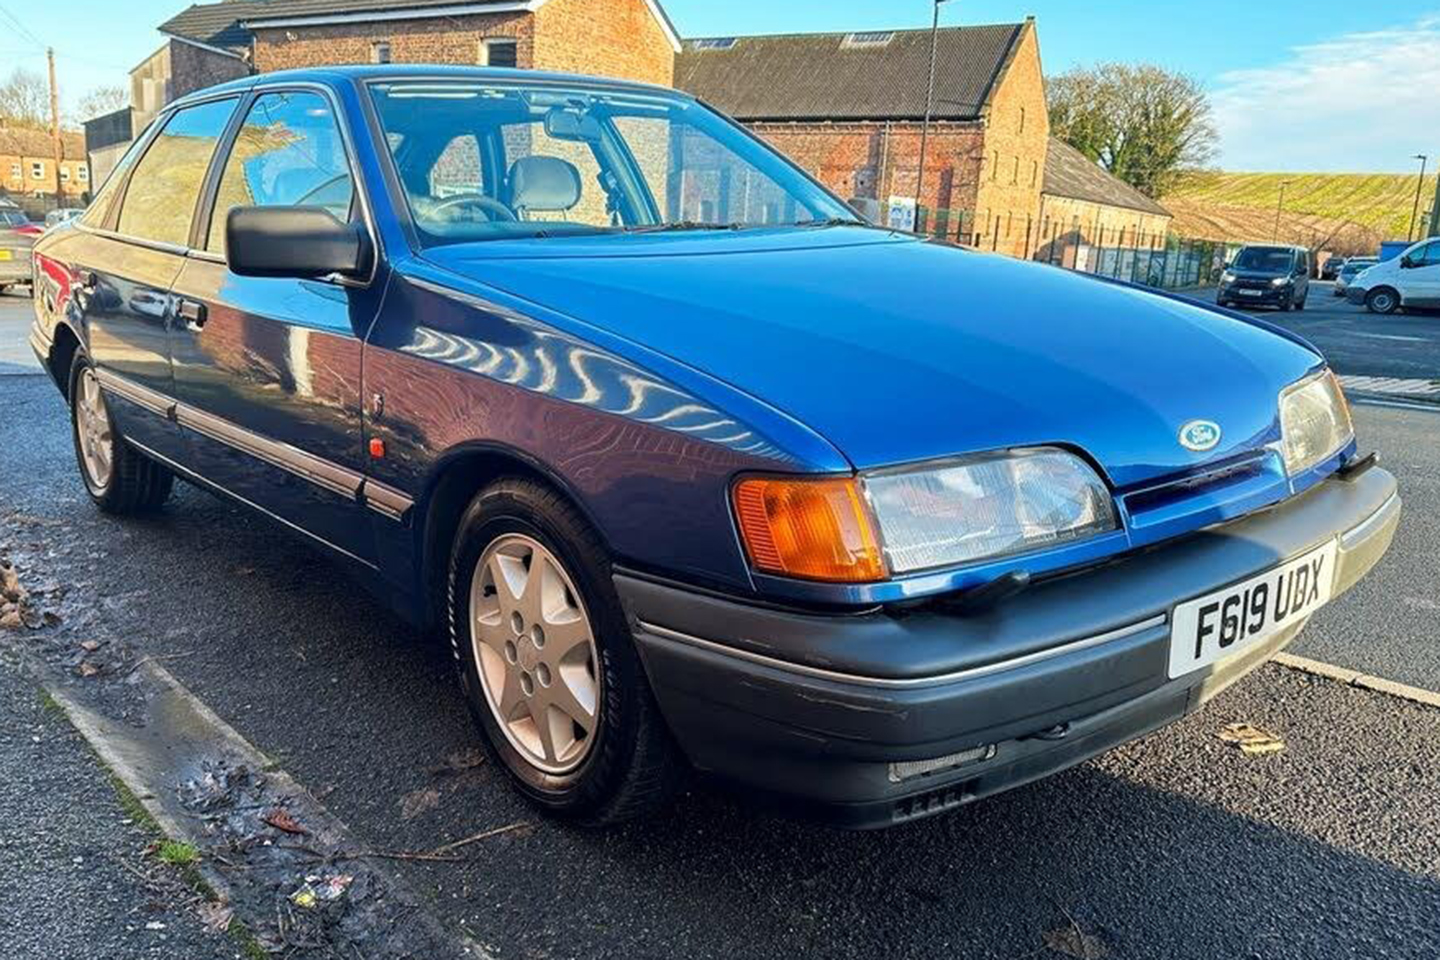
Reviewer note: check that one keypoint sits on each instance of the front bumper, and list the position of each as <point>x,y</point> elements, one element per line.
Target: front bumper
<point>1356,295</point>
<point>814,709</point>
<point>1268,296</point>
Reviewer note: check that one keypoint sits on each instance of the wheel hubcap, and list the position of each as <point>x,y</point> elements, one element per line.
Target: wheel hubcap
<point>535,652</point>
<point>92,427</point>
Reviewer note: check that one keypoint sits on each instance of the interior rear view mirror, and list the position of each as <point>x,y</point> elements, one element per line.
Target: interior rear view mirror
<point>567,123</point>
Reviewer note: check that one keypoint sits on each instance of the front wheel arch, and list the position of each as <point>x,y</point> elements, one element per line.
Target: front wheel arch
<point>461,474</point>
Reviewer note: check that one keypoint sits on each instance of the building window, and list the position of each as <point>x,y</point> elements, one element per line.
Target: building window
<point>380,51</point>
<point>37,169</point>
<point>1022,119</point>
<point>82,173</point>
<point>500,52</point>
<point>1034,172</point>
<point>65,174</point>
<point>14,171</point>
<point>995,167</point>
<point>1015,174</point>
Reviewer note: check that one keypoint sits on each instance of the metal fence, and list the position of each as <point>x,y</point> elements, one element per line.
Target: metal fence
<point>1165,261</point>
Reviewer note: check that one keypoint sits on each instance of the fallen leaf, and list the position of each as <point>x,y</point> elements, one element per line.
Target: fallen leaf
<point>216,916</point>
<point>281,820</point>
<point>304,898</point>
<point>1251,739</point>
<point>416,803</point>
<point>11,620</point>
<point>90,646</point>
<point>1072,942</point>
<point>460,762</point>
<point>87,669</point>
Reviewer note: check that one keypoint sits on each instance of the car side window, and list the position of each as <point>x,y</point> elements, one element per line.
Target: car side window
<point>160,199</point>
<point>1427,256</point>
<point>289,153</point>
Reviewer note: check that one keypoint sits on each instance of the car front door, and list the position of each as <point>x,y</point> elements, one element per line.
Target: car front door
<point>121,265</point>
<point>267,370</point>
<point>1420,281</point>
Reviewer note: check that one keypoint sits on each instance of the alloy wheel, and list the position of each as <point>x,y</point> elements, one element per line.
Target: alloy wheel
<point>92,428</point>
<point>535,652</point>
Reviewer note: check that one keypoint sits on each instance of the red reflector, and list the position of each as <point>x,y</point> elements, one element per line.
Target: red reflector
<point>377,448</point>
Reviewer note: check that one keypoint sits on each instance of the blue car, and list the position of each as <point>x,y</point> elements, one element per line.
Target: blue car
<point>697,470</point>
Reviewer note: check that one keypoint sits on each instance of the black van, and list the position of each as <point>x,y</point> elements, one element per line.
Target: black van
<point>1270,276</point>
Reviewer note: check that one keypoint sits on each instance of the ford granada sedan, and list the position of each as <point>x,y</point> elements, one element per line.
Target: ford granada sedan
<point>696,469</point>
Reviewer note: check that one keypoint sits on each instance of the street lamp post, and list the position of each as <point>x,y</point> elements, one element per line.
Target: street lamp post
<point>1419,186</point>
<point>929,105</point>
<point>1280,206</point>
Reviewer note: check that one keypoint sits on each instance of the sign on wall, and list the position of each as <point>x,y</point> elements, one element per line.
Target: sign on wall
<point>902,214</point>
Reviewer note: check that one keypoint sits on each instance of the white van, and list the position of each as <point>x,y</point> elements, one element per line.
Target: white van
<point>1409,280</point>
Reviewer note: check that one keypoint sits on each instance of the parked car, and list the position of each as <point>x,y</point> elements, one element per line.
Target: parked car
<point>690,464</point>
<point>1411,279</point>
<point>1332,268</point>
<point>56,217</point>
<point>1269,276</point>
<point>1352,269</point>
<point>17,238</point>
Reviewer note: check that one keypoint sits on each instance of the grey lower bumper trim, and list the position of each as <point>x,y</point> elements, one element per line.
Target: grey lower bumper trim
<point>972,673</point>
<point>1378,519</point>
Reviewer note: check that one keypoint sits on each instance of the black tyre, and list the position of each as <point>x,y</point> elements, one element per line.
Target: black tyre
<point>547,662</point>
<point>1382,300</point>
<point>1303,301</point>
<point>119,478</point>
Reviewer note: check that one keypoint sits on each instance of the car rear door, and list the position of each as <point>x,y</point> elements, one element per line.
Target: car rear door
<point>267,370</point>
<point>120,266</point>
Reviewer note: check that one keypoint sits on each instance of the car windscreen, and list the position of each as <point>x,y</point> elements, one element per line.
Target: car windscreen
<point>1265,259</point>
<point>489,161</point>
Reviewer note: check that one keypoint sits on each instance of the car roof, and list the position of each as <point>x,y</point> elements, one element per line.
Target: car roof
<point>369,73</point>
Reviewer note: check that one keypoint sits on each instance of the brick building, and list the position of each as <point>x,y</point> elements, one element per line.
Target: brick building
<point>207,43</point>
<point>850,107</point>
<point>1083,206</point>
<point>28,169</point>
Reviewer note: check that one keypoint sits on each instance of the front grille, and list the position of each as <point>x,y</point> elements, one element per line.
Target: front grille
<point>1182,488</point>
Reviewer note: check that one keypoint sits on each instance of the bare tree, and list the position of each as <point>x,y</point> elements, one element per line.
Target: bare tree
<point>100,101</point>
<point>1146,125</point>
<point>25,99</point>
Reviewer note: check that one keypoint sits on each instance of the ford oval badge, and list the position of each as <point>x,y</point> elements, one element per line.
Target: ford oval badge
<point>1200,435</point>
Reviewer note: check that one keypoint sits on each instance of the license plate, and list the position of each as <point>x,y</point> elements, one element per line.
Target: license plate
<point>1242,616</point>
<point>5,255</point>
<point>1249,293</point>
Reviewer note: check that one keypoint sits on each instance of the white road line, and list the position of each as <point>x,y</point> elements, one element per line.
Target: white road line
<point>1392,336</point>
<point>1393,386</point>
<point>1355,678</point>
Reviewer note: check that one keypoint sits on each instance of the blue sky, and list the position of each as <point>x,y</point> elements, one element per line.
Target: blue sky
<point>1302,84</point>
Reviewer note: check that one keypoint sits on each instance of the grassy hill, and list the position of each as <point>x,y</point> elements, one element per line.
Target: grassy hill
<point>1349,211</point>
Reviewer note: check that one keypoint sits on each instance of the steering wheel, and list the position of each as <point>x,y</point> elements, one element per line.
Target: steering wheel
<point>494,209</point>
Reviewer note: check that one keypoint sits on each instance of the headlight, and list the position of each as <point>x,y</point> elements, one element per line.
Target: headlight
<point>1315,422</point>
<point>987,507</point>
<point>861,530</point>
<point>1279,281</point>
<point>1227,277</point>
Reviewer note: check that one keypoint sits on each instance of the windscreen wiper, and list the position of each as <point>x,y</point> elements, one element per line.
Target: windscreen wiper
<point>684,225</point>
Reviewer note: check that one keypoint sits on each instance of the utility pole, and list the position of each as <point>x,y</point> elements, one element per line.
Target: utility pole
<point>1278,208</point>
<point>929,105</point>
<point>1419,186</point>
<point>55,123</point>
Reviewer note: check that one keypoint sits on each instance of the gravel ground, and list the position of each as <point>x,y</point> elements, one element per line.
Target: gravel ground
<point>68,850</point>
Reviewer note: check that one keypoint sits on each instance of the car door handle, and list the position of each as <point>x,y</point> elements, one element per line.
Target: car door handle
<point>194,314</point>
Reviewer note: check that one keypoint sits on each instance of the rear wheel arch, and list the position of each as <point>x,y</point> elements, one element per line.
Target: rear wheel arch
<point>62,357</point>
<point>456,481</point>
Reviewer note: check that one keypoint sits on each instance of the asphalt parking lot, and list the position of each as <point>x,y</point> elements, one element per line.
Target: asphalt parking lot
<point>1177,846</point>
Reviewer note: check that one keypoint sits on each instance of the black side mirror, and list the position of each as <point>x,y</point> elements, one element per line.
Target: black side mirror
<point>303,243</point>
<point>1406,263</point>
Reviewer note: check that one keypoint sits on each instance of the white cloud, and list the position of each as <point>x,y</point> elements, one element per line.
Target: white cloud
<point>1362,102</point>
